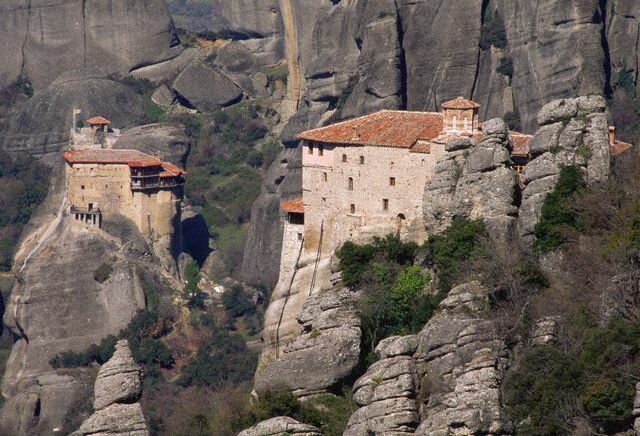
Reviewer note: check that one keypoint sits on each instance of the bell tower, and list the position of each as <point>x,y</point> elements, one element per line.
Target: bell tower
<point>460,116</point>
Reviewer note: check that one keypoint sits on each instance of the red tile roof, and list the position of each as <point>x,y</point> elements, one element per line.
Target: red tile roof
<point>399,129</point>
<point>293,206</point>
<point>619,147</point>
<point>460,103</point>
<point>100,121</point>
<point>170,170</point>
<point>132,158</point>
<point>520,143</point>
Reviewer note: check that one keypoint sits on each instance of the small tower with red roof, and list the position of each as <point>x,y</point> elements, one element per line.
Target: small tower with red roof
<point>460,116</point>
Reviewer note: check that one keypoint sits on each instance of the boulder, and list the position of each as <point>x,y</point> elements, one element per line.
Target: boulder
<point>167,141</point>
<point>557,111</point>
<point>326,352</point>
<point>118,388</point>
<point>545,331</point>
<point>205,88</point>
<point>163,96</point>
<point>281,425</point>
<point>119,379</point>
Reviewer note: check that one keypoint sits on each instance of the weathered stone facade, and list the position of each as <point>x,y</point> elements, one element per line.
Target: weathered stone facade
<point>108,187</point>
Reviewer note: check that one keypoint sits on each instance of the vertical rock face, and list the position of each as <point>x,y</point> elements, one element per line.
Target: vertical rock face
<point>42,39</point>
<point>444,380</point>
<point>118,388</point>
<point>474,181</point>
<point>573,132</point>
<point>556,49</point>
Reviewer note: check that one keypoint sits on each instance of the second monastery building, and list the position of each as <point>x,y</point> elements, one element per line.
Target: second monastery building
<point>366,176</point>
<point>140,187</point>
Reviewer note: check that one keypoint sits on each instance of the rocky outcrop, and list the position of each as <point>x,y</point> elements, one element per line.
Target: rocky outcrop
<point>205,88</point>
<point>545,331</point>
<point>43,39</point>
<point>281,425</point>
<point>167,141</point>
<point>474,180</point>
<point>386,394</point>
<point>118,388</point>
<point>324,353</point>
<point>444,380</point>
<point>43,125</point>
<point>573,132</point>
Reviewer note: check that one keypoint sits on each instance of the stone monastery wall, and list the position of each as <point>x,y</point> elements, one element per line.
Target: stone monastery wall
<point>107,187</point>
<point>359,191</point>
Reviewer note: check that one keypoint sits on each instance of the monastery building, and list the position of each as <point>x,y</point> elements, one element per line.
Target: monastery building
<point>127,182</point>
<point>366,176</point>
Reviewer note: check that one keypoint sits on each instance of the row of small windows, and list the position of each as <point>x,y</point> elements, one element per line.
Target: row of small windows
<point>385,206</point>
<point>321,153</point>
<point>344,159</point>
<point>392,181</point>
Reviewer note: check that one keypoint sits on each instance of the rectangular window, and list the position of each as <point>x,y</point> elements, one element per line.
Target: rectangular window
<point>81,186</point>
<point>310,149</point>
<point>299,236</point>
<point>352,208</point>
<point>361,160</point>
<point>392,181</point>
<point>385,204</point>
<point>321,150</point>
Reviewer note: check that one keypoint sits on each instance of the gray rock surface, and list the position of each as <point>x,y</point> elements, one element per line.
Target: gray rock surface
<point>44,123</point>
<point>119,379</point>
<point>167,141</point>
<point>474,180</point>
<point>163,97</point>
<point>205,88</point>
<point>42,39</point>
<point>573,132</point>
<point>545,331</point>
<point>444,380</point>
<point>280,425</point>
<point>326,351</point>
<point>117,389</point>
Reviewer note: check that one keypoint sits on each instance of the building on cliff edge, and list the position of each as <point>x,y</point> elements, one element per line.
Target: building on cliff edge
<point>366,176</point>
<point>140,187</point>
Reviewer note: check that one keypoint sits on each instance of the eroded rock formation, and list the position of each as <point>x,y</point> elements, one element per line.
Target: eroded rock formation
<point>43,39</point>
<point>572,132</point>
<point>326,351</point>
<point>281,425</point>
<point>474,180</point>
<point>444,380</point>
<point>118,388</point>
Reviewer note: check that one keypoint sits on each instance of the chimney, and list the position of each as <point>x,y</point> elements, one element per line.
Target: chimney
<point>356,135</point>
<point>612,135</point>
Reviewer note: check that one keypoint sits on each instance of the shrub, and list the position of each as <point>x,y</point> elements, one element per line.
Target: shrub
<point>493,32</point>
<point>152,351</point>
<point>505,67</point>
<point>237,303</point>
<point>95,353</point>
<point>452,248</point>
<point>558,220</point>
<point>277,73</point>
<point>102,273</point>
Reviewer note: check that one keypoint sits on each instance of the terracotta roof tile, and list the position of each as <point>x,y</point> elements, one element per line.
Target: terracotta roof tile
<point>98,120</point>
<point>520,143</point>
<point>460,103</point>
<point>293,206</point>
<point>619,147</point>
<point>400,129</point>
<point>132,158</point>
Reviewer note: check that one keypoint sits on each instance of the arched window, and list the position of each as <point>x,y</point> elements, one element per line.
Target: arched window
<point>352,208</point>
<point>454,123</point>
<point>350,184</point>
<point>466,124</point>
<point>344,158</point>
<point>361,160</point>
<point>324,177</point>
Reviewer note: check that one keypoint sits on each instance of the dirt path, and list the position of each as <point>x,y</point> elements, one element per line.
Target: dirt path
<point>52,227</point>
